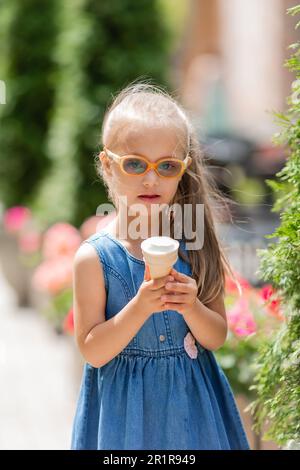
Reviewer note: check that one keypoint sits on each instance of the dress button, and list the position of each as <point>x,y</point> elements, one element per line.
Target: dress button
<point>162,337</point>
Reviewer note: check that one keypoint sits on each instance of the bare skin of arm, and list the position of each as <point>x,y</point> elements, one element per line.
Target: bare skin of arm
<point>100,340</point>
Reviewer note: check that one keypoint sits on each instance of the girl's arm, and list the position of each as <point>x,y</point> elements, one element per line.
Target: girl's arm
<point>98,340</point>
<point>208,323</point>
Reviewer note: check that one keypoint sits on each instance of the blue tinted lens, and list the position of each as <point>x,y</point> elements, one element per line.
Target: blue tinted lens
<point>169,168</point>
<point>134,166</point>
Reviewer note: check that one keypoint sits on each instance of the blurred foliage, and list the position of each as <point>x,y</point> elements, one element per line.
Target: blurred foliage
<point>244,189</point>
<point>101,47</point>
<point>174,15</point>
<point>56,309</point>
<point>277,380</point>
<point>27,39</point>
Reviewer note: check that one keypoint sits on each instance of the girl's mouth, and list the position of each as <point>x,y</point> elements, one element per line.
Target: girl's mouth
<point>149,197</point>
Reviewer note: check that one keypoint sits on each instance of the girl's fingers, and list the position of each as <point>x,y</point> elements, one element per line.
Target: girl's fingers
<point>160,282</point>
<point>178,287</point>
<point>147,276</point>
<point>180,276</point>
<point>174,298</point>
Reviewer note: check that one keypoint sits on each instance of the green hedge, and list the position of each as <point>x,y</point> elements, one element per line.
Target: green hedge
<point>27,39</point>
<point>102,46</point>
<point>277,381</point>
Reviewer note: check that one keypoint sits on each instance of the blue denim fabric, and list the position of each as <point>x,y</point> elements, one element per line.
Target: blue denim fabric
<point>152,395</point>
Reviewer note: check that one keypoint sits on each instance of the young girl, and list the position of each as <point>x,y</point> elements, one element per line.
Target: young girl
<point>150,379</point>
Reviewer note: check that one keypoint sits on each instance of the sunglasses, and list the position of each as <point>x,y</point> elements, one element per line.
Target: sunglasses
<point>135,165</point>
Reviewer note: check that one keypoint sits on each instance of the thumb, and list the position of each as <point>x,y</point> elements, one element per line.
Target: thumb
<point>147,276</point>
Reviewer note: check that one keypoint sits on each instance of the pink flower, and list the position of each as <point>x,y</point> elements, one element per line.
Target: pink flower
<point>15,218</point>
<point>68,324</point>
<point>271,301</point>
<point>61,239</point>
<point>240,319</point>
<point>266,292</point>
<point>30,241</point>
<point>231,286</point>
<point>190,346</point>
<point>54,275</point>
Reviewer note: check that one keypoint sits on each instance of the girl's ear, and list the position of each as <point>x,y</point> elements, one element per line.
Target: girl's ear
<point>105,163</point>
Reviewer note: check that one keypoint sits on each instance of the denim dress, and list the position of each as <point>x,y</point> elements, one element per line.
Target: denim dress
<point>163,391</point>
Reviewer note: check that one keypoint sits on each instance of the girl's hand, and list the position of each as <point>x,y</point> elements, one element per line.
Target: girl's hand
<point>183,293</point>
<point>149,294</point>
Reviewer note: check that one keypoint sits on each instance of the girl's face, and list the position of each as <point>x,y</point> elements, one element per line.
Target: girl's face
<point>153,144</point>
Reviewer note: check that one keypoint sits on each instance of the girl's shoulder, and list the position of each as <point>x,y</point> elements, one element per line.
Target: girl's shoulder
<point>96,237</point>
<point>90,249</point>
<point>100,242</point>
<point>111,250</point>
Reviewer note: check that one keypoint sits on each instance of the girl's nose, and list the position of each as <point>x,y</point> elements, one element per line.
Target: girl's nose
<point>151,175</point>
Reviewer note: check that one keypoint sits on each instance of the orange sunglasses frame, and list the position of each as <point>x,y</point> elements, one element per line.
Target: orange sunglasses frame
<point>184,163</point>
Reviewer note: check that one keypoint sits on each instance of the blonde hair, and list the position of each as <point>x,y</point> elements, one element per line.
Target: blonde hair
<point>151,104</point>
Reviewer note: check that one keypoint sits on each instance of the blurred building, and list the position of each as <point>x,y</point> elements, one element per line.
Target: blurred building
<point>230,64</point>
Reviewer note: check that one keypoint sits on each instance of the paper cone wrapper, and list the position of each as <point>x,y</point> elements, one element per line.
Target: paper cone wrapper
<point>160,263</point>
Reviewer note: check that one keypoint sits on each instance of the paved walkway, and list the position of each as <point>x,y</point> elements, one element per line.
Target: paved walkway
<point>39,376</point>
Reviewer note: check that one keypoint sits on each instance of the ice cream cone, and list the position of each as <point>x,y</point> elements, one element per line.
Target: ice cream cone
<point>160,254</point>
